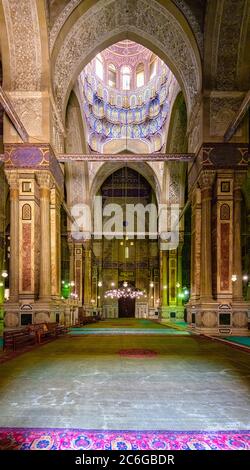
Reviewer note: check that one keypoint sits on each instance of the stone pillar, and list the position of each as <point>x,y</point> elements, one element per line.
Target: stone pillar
<point>206,182</point>
<point>87,274</point>
<point>55,221</point>
<point>179,273</point>
<point>248,257</point>
<point>172,266</point>
<point>3,197</point>
<point>77,258</point>
<point>222,237</point>
<point>240,307</point>
<point>237,255</point>
<point>164,277</point>
<point>71,261</point>
<point>29,238</point>
<point>97,250</point>
<point>13,181</point>
<point>195,244</point>
<point>45,184</point>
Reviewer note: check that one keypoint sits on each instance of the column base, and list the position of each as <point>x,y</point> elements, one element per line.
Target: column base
<point>216,319</point>
<point>172,313</point>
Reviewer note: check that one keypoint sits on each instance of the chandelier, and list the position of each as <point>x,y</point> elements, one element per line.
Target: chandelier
<point>124,292</point>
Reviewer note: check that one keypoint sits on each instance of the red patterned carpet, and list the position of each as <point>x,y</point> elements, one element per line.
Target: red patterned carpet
<point>137,353</point>
<point>79,439</point>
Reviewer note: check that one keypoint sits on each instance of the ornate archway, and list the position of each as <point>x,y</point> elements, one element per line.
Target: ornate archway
<point>163,29</point>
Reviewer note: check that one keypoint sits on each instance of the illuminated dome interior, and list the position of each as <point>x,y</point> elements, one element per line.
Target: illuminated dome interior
<point>126,93</point>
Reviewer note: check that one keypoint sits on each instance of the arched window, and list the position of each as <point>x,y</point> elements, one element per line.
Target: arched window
<point>26,212</point>
<point>112,76</point>
<point>126,77</point>
<point>140,76</point>
<point>99,66</point>
<point>152,67</point>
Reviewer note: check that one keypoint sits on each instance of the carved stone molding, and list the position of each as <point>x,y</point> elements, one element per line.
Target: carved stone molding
<point>209,319</point>
<point>13,179</point>
<point>14,117</point>
<point>23,32</point>
<point>195,128</point>
<point>222,111</point>
<point>64,15</point>
<point>239,179</point>
<point>240,319</point>
<point>29,108</point>
<point>129,157</point>
<point>28,156</point>
<point>11,320</point>
<point>72,4</point>
<point>206,180</point>
<point>186,10</point>
<point>229,40</point>
<point>145,18</point>
<point>44,179</point>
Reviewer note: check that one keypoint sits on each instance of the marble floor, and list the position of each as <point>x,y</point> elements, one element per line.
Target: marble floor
<point>92,382</point>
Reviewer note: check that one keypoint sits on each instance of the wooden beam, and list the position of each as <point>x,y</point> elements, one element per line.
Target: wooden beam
<point>237,118</point>
<point>146,157</point>
<point>13,116</point>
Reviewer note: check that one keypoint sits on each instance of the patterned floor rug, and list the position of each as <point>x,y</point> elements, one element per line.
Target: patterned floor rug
<point>78,439</point>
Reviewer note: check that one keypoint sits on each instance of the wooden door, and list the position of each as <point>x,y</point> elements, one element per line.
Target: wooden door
<point>126,308</point>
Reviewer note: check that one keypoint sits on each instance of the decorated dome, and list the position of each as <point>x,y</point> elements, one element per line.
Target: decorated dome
<point>125,93</point>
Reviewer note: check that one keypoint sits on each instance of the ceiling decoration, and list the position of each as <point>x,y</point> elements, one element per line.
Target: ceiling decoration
<point>112,113</point>
<point>148,20</point>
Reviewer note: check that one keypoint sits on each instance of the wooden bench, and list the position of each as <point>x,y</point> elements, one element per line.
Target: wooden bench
<point>13,339</point>
<point>61,329</point>
<point>87,320</point>
<point>35,333</point>
<point>48,330</point>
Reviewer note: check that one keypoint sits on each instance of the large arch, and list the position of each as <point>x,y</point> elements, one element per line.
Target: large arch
<point>193,13</point>
<point>226,49</point>
<point>159,27</point>
<point>107,168</point>
<point>25,68</point>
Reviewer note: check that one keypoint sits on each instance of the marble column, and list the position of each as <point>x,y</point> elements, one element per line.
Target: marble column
<point>173,290</point>
<point>76,257</point>
<point>71,261</point>
<point>13,180</point>
<point>55,221</point>
<point>206,183</point>
<point>248,258</point>
<point>195,244</point>
<point>222,237</point>
<point>179,272</point>
<point>45,184</point>
<point>164,278</point>
<point>87,273</point>
<point>237,255</point>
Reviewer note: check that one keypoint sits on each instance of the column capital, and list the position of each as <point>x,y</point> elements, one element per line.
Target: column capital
<point>44,179</point>
<point>13,179</point>
<point>239,179</point>
<point>206,180</point>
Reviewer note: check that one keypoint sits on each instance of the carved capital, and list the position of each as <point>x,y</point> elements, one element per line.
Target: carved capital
<point>13,179</point>
<point>44,180</point>
<point>206,180</point>
<point>239,179</point>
